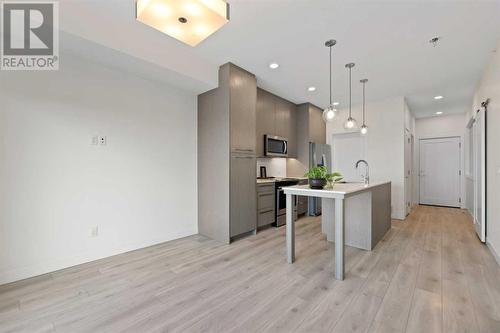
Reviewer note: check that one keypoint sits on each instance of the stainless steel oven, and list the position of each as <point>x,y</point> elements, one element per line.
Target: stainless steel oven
<point>275,146</point>
<point>281,201</point>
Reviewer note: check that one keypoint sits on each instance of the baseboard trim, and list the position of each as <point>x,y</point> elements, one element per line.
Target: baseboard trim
<point>492,250</point>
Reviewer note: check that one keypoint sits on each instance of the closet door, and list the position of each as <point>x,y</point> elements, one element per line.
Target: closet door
<point>440,172</point>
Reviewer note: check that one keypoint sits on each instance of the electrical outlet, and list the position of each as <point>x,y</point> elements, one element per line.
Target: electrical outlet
<point>102,140</point>
<point>95,140</point>
<point>94,232</point>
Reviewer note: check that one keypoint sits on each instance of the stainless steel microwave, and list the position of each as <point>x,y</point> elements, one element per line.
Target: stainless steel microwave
<point>275,146</point>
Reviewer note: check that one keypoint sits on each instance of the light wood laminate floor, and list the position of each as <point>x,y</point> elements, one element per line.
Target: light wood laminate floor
<point>429,274</point>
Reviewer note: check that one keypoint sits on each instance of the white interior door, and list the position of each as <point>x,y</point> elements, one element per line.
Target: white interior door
<point>347,149</point>
<point>440,172</point>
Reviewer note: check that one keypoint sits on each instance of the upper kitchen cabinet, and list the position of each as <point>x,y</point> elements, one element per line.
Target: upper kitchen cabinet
<point>310,125</point>
<point>286,123</point>
<point>243,99</point>
<point>266,118</point>
<point>310,128</point>
<point>317,127</point>
<point>275,116</point>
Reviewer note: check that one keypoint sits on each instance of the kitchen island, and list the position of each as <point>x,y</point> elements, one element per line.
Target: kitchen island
<point>353,214</point>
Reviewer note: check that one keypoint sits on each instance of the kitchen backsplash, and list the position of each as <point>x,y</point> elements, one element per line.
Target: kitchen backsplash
<point>276,167</point>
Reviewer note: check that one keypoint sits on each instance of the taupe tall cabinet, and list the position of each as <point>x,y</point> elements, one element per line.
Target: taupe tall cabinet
<point>227,200</point>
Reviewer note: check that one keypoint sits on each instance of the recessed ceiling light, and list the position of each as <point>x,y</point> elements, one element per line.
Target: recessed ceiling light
<point>435,40</point>
<point>438,97</point>
<point>336,103</point>
<point>311,88</point>
<point>274,65</point>
<point>439,112</point>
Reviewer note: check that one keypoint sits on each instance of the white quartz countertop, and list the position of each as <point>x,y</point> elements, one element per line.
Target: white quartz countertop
<point>339,190</point>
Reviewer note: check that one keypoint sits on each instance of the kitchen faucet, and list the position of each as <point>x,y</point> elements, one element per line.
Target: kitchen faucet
<point>366,176</point>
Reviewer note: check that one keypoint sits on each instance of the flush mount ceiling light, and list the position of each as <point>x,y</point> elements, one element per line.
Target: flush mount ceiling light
<point>190,21</point>
<point>274,65</point>
<point>350,123</point>
<point>311,88</point>
<point>330,112</point>
<point>438,97</point>
<point>439,112</point>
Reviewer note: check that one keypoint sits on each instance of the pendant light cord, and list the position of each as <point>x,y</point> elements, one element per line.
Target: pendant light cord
<point>350,93</point>
<point>330,75</point>
<point>364,103</point>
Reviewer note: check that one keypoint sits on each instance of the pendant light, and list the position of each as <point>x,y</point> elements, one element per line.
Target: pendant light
<point>330,112</point>
<point>350,123</point>
<point>364,128</point>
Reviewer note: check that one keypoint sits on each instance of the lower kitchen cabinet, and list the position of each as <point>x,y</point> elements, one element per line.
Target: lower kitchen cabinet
<point>265,217</point>
<point>243,202</point>
<point>302,202</point>
<point>266,201</point>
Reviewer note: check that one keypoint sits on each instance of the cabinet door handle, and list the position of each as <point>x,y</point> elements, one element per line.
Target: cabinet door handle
<point>266,194</point>
<point>266,211</point>
<point>238,149</point>
<point>246,157</point>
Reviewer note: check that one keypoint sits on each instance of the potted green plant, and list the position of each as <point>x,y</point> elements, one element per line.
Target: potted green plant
<point>332,178</point>
<point>319,177</point>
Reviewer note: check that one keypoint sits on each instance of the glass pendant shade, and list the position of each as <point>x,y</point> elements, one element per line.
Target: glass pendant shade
<point>350,123</point>
<point>329,114</point>
<point>364,128</point>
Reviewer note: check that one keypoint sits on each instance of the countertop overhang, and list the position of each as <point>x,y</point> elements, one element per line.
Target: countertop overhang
<point>339,190</point>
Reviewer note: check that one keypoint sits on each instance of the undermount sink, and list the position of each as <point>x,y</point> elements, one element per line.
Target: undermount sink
<point>342,182</point>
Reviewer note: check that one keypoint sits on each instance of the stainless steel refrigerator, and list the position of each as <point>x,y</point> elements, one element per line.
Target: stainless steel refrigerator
<point>319,155</point>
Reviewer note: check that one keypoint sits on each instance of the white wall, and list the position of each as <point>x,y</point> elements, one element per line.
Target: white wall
<point>439,127</point>
<point>489,87</point>
<point>385,144</point>
<point>55,186</point>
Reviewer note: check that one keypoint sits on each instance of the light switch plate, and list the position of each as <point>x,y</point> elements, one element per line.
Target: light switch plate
<point>94,232</point>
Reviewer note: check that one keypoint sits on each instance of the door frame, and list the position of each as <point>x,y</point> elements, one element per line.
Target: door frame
<point>408,166</point>
<point>461,166</point>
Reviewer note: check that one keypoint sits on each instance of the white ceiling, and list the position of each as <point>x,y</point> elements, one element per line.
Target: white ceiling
<point>388,41</point>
